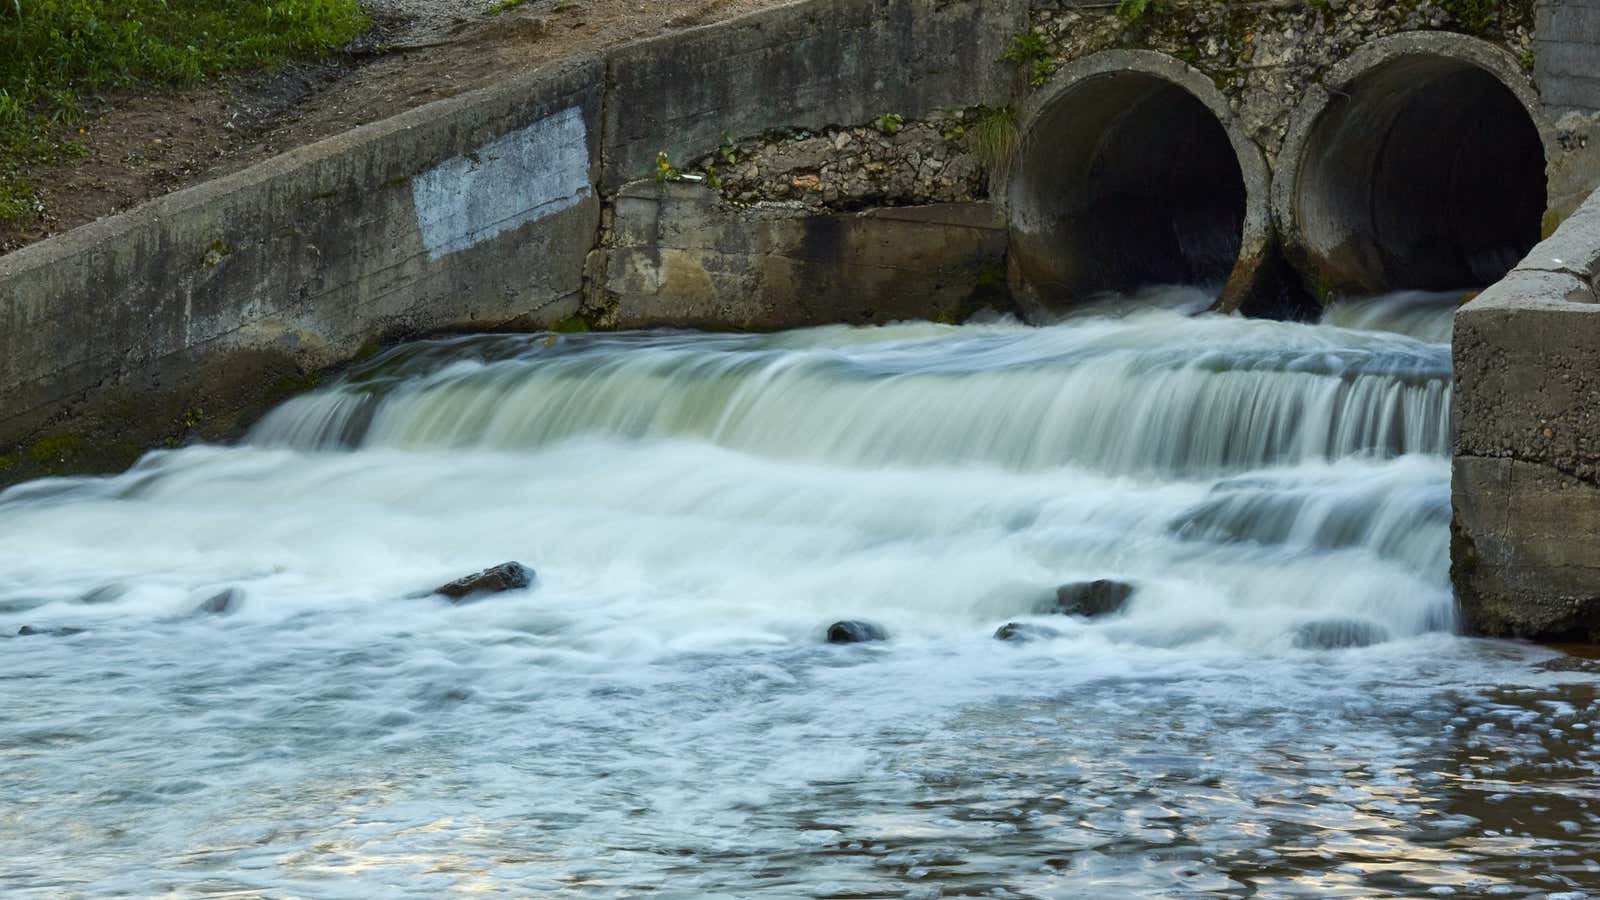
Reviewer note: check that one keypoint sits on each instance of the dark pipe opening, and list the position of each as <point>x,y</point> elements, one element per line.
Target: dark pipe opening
<point>1429,174</point>
<point>1126,180</point>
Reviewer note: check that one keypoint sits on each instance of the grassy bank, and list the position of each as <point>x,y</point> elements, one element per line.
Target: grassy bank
<point>54,54</point>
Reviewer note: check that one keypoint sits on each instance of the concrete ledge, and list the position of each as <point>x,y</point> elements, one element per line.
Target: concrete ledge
<point>684,258</point>
<point>1526,489</point>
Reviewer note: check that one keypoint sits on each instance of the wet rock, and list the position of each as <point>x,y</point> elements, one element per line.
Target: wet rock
<point>103,594</point>
<point>34,631</point>
<point>217,604</point>
<point>1338,634</point>
<point>1023,632</point>
<point>22,604</point>
<point>1101,597</point>
<point>854,632</point>
<point>510,576</point>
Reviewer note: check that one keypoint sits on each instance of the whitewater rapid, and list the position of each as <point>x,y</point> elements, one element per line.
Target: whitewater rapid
<point>661,714</point>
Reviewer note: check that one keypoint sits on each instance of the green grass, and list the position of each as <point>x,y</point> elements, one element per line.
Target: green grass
<point>995,137</point>
<point>55,53</point>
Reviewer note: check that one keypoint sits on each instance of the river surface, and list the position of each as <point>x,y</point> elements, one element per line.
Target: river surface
<point>661,715</point>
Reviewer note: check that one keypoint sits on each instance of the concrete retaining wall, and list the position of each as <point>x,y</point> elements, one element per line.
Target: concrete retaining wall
<point>471,212</point>
<point>1526,486</point>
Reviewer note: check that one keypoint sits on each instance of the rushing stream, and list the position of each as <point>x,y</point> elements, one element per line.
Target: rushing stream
<point>661,715</point>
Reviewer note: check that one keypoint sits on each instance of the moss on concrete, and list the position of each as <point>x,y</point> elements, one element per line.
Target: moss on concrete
<point>61,453</point>
<point>573,324</point>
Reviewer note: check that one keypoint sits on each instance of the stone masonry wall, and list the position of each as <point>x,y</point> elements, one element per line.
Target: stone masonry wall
<point>888,162</point>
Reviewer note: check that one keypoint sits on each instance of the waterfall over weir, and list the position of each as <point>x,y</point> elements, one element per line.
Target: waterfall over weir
<point>1153,395</point>
<point>236,642</point>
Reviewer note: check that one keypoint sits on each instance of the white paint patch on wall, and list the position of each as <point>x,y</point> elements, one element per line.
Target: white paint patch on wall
<point>518,178</point>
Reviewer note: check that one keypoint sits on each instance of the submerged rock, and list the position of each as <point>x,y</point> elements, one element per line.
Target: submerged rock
<point>510,576</point>
<point>1023,632</point>
<point>103,594</point>
<point>1101,597</point>
<point>225,602</point>
<point>1338,634</point>
<point>32,631</point>
<point>854,632</point>
<point>22,604</point>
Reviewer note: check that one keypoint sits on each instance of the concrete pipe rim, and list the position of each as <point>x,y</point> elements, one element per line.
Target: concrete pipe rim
<point>1340,81</point>
<point>1256,237</point>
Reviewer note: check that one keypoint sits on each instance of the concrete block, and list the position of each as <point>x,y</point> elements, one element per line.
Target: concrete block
<point>1525,557</point>
<point>685,258</point>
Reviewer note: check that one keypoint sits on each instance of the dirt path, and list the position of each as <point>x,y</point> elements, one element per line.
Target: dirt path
<point>143,145</point>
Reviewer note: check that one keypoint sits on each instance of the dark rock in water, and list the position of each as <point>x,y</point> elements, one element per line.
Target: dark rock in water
<point>853,632</point>
<point>1338,634</point>
<point>103,594</point>
<point>511,576</point>
<point>31,631</point>
<point>1092,598</point>
<point>1023,632</point>
<point>226,602</point>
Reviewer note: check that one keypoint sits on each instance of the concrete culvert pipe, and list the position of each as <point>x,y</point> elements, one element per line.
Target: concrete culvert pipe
<point>1422,167</point>
<point>1127,176</point>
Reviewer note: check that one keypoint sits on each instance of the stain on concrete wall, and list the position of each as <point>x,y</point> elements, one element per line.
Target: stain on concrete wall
<point>518,178</point>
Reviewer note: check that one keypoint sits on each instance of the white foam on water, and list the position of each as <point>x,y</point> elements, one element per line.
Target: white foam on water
<point>661,713</point>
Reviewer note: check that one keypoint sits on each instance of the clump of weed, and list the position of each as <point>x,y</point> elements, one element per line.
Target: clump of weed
<point>1475,16</point>
<point>1029,51</point>
<point>665,170</point>
<point>1134,10</point>
<point>994,136</point>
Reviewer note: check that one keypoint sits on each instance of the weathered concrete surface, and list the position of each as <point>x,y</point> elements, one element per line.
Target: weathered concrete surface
<point>827,62</point>
<point>1526,488</point>
<point>683,257</point>
<point>1567,54</point>
<point>1567,68</point>
<point>472,212</point>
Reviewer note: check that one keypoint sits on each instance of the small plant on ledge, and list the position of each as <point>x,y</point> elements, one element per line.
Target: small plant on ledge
<point>665,170</point>
<point>1028,50</point>
<point>995,137</point>
<point>1134,10</point>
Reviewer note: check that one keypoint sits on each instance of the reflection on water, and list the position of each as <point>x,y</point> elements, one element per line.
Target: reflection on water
<point>660,715</point>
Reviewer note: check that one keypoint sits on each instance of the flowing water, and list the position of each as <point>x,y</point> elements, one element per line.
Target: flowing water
<point>660,714</point>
